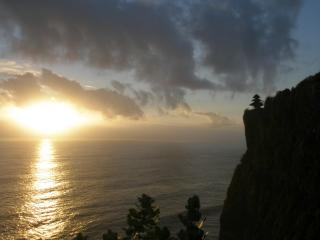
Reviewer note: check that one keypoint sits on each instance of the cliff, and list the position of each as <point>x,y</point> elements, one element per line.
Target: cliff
<point>275,190</point>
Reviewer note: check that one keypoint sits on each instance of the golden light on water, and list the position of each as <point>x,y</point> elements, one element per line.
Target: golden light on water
<point>45,167</point>
<point>44,207</point>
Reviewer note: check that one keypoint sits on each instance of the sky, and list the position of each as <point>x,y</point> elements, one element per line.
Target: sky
<point>148,63</point>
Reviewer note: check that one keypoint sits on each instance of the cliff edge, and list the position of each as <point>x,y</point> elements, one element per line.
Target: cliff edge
<point>275,190</point>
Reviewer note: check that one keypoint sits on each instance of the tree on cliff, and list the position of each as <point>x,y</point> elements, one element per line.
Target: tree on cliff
<point>256,102</point>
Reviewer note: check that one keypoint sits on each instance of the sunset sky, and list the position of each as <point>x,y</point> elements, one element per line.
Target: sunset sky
<point>149,65</point>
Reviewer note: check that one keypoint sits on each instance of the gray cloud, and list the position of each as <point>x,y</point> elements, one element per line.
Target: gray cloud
<point>143,97</point>
<point>245,41</point>
<point>24,88</point>
<point>242,41</point>
<point>118,86</point>
<point>21,89</point>
<point>174,98</point>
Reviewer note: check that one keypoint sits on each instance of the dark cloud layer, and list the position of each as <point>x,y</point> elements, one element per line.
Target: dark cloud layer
<point>246,40</point>
<point>242,41</point>
<point>28,87</point>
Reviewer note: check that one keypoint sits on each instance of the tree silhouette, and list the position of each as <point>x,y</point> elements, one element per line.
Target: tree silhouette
<point>143,221</point>
<point>256,102</point>
<point>192,221</point>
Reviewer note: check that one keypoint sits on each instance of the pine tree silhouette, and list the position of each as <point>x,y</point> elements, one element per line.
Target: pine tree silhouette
<point>192,221</point>
<point>143,221</point>
<point>256,102</point>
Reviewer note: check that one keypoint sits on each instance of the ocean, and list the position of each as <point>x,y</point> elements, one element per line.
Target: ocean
<point>55,189</point>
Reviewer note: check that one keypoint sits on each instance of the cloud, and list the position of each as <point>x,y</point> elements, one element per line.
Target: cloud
<point>143,97</point>
<point>217,120</point>
<point>28,87</point>
<point>118,86</point>
<point>20,89</point>
<point>9,68</point>
<point>242,42</point>
<point>245,41</point>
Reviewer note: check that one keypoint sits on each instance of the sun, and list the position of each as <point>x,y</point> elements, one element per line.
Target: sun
<point>47,117</point>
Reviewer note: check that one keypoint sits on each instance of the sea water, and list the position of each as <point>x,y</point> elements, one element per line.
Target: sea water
<point>55,189</point>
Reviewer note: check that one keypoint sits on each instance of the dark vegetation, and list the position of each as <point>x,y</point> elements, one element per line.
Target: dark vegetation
<point>143,223</point>
<point>256,102</point>
<point>275,190</point>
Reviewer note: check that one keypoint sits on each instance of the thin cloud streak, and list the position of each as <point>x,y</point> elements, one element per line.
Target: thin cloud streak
<point>217,120</point>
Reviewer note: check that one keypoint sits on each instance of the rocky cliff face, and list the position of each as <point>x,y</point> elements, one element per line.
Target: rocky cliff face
<point>275,190</point>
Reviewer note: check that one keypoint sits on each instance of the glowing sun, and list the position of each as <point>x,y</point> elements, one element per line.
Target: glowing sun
<point>49,117</point>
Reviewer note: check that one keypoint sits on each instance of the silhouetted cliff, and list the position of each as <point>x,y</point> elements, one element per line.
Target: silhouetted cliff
<point>275,190</point>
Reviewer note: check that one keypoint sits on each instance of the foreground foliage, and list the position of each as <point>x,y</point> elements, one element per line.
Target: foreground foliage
<point>143,223</point>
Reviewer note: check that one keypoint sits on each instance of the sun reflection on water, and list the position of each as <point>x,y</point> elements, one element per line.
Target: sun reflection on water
<point>45,168</point>
<point>44,205</point>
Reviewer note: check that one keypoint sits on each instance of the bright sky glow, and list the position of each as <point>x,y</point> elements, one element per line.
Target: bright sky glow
<point>48,117</point>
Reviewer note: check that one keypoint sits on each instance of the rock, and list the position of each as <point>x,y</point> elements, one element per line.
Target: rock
<point>275,190</point>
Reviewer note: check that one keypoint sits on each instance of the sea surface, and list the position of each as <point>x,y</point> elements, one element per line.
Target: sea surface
<point>55,189</point>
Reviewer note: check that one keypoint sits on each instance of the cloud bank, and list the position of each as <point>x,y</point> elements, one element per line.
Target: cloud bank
<point>165,42</point>
<point>28,87</point>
